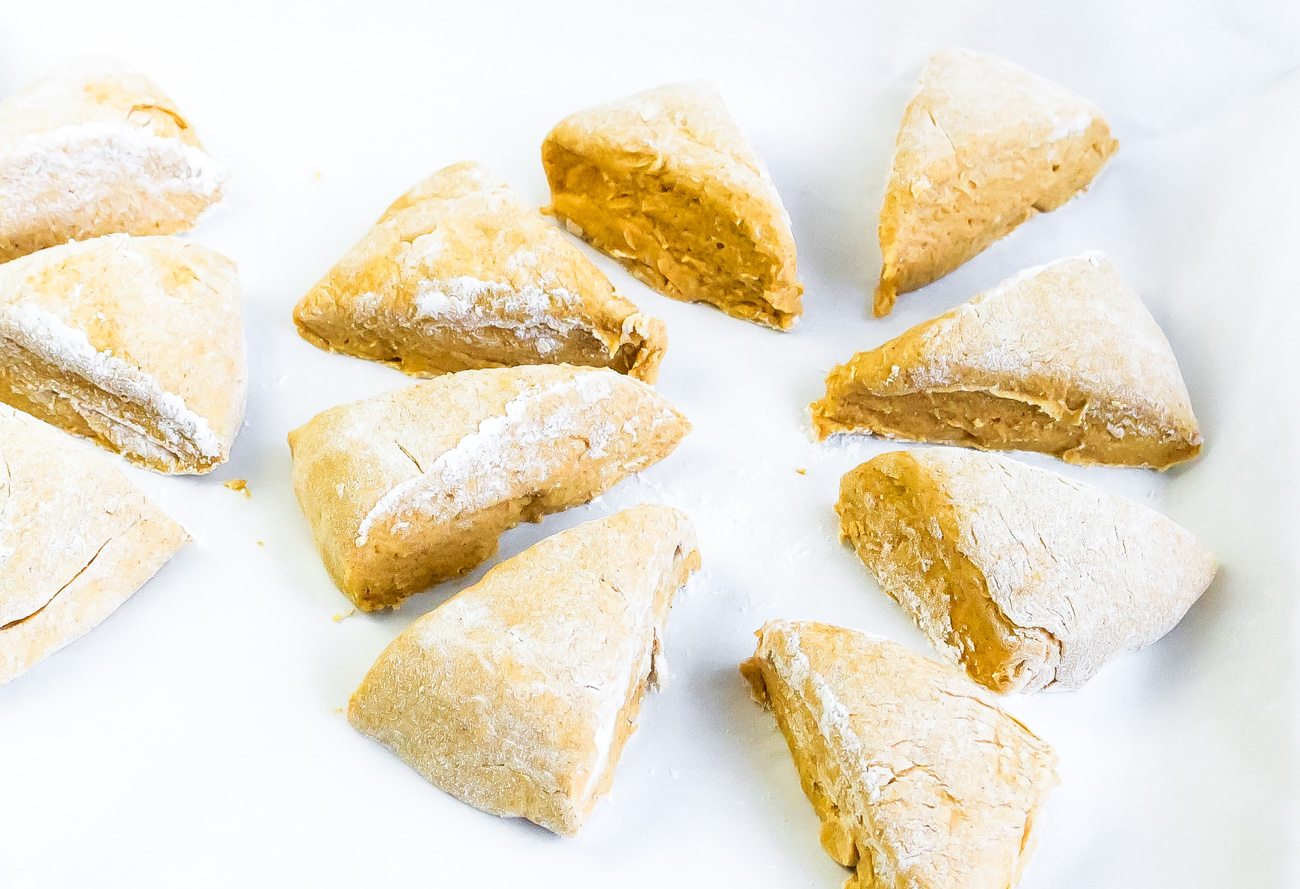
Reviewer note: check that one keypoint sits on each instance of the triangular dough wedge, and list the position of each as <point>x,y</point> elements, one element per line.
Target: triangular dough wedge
<point>94,149</point>
<point>413,487</point>
<point>460,274</point>
<point>665,182</point>
<point>1024,578</point>
<point>984,145</point>
<point>920,782</point>
<point>76,540</point>
<point>134,343</point>
<point>518,694</point>
<point>1061,358</point>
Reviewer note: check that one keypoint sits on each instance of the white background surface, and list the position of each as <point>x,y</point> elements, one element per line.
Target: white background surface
<point>197,739</point>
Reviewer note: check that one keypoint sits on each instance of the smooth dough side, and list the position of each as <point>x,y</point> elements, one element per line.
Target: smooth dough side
<point>517,695</point>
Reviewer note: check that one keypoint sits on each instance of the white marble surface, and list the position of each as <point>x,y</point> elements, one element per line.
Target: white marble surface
<point>196,738</point>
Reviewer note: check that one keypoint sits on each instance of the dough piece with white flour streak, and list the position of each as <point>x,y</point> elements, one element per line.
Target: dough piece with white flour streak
<point>134,343</point>
<point>96,149</point>
<point>459,274</point>
<point>414,487</point>
<point>920,782</point>
<point>665,183</point>
<point>518,694</point>
<point>1061,358</point>
<point>983,146</point>
<point>1024,578</point>
<point>76,540</point>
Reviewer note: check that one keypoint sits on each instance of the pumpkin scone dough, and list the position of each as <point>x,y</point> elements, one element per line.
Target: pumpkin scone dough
<point>76,540</point>
<point>518,694</point>
<point>665,183</point>
<point>920,782</point>
<point>134,343</point>
<point>983,146</point>
<point>1061,358</point>
<point>414,487</point>
<point>94,149</point>
<point>458,274</point>
<point>1022,577</point>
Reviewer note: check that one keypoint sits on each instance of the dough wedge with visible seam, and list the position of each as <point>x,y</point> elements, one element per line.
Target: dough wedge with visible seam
<point>97,148</point>
<point>1022,577</point>
<point>518,694</point>
<point>665,182</point>
<point>77,539</point>
<point>920,781</point>
<point>413,487</point>
<point>1062,358</point>
<point>134,343</point>
<point>983,146</point>
<point>459,274</point>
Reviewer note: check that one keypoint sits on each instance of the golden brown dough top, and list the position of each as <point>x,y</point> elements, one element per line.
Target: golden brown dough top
<point>168,307</point>
<point>92,91</point>
<point>687,131</point>
<point>949,781</point>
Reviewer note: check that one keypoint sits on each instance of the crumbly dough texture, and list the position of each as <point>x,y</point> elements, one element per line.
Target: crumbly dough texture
<point>458,274</point>
<point>1024,578</point>
<point>518,694</point>
<point>665,182</point>
<point>1061,358</point>
<point>414,487</point>
<point>94,149</point>
<point>983,146</point>
<point>76,540</point>
<point>134,343</point>
<point>920,781</point>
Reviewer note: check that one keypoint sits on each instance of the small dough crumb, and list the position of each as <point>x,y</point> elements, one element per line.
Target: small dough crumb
<point>238,484</point>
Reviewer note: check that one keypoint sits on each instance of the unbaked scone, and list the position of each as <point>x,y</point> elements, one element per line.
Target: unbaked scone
<point>1062,358</point>
<point>94,149</point>
<point>920,782</point>
<point>458,273</point>
<point>134,343</point>
<point>1024,578</point>
<point>414,487</point>
<point>76,540</point>
<point>665,182</point>
<point>518,694</point>
<point>983,146</point>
